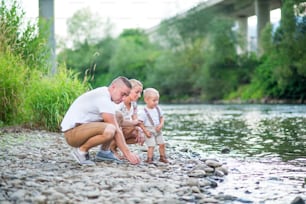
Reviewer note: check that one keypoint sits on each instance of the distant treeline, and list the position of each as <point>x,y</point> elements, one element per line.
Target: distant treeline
<point>195,59</point>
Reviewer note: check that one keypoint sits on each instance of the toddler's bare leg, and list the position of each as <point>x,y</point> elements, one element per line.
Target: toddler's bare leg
<point>150,155</point>
<point>162,153</point>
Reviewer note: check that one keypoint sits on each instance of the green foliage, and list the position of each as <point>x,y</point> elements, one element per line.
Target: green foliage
<point>194,58</point>
<point>27,94</point>
<point>91,61</point>
<point>90,51</point>
<point>81,59</point>
<point>203,64</point>
<point>221,72</point>
<point>21,50</point>
<point>26,42</point>
<point>223,40</point>
<point>175,72</point>
<point>169,77</point>
<point>133,56</point>
<point>283,73</point>
<point>192,25</point>
<point>48,98</point>
<point>13,75</point>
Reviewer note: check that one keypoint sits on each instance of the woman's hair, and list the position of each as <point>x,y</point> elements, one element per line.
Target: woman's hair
<point>135,83</point>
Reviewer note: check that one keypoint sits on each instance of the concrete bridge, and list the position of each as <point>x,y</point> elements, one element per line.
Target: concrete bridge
<point>237,9</point>
<point>241,10</point>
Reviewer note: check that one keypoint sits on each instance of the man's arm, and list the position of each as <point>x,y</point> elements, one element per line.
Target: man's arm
<point>127,123</point>
<point>120,141</point>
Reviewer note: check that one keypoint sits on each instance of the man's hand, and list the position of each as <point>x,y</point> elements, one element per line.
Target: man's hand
<point>133,158</point>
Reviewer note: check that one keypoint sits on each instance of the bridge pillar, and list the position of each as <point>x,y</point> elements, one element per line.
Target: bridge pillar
<point>262,10</point>
<point>46,14</point>
<point>243,30</point>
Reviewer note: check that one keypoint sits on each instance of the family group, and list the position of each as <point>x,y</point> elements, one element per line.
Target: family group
<point>108,118</point>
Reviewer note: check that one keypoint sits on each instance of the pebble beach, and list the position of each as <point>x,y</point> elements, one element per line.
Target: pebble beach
<point>37,167</point>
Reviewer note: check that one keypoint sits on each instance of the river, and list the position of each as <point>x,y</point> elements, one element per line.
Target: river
<point>266,154</point>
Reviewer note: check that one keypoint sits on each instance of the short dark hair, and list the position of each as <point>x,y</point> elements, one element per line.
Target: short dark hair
<point>125,80</point>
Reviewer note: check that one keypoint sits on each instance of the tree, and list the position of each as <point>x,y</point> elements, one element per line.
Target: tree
<point>87,27</point>
<point>133,56</point>
<point>91,49</point>
<point>286,55</point>
<point>25,43</point>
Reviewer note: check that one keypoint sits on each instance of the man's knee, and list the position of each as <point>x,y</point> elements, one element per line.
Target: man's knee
<point>109,131</point>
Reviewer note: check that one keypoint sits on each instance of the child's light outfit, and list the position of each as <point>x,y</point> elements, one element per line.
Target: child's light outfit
<point>129,131</point>
<point>127,114</point>
<point>151,119</point>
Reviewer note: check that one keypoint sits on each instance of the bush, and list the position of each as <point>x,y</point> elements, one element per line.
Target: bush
<point>27,95</point>
<point>12,80</point>
<point>25,42</point>
<point>48,98</point>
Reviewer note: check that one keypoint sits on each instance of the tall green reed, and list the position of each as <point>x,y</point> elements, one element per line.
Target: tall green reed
<point>12,84</point>
<point>22,38</point>
<point>48,98</point>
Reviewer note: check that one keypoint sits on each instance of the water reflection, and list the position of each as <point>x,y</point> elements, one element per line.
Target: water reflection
<point>267,160</point>
<point>248,130</point>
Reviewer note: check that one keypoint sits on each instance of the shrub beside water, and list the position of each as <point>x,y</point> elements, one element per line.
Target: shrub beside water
<point>32,98</point>
<point>28,95</point>
<point>12,83</point>
<point>48,98</point>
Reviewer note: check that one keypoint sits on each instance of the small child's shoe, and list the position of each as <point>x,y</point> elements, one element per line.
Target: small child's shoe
<point>149,160</point>
<point>163,159</point>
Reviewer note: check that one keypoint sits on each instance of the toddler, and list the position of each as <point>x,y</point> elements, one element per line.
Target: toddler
<point>152,122</point>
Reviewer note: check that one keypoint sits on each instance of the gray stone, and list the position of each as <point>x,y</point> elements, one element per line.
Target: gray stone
<point>213,163</point>
<point>197,173</point>
<point>298,200</point>
<point>48,174</point>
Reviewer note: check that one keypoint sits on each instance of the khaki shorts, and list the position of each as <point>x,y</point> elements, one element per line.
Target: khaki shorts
<point>156,137</point>
<point>77,136</point>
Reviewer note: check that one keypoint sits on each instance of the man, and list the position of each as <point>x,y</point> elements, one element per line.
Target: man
<point>90,121</point>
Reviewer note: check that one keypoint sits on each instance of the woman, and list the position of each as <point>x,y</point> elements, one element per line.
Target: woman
<point>127,117</point>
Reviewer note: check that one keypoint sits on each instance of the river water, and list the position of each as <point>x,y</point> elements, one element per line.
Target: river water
<point>266,143</point>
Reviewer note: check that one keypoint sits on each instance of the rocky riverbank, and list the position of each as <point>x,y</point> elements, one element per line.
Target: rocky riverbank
<point>37,167</point>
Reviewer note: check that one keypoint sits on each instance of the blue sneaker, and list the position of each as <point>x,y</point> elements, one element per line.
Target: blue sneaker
<point>82,159</point>
<point>109,156</point>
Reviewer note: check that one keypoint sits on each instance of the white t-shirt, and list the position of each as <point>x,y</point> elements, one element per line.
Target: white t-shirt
<point>88,108</point>
<point>127,114</point>
<point>154,115</point>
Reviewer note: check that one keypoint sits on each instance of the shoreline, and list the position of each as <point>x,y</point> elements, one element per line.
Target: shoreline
<point>37,167</point>
<point>264,101</point>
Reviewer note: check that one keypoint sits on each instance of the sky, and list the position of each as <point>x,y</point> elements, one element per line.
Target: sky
<point>121,13</point>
